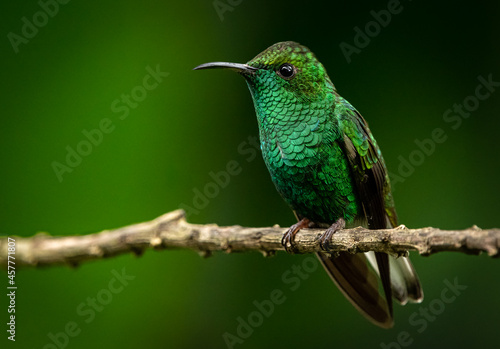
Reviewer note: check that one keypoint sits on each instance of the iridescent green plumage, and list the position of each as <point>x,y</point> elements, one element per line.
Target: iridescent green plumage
<point>327,166</point>
<point>302,124</point>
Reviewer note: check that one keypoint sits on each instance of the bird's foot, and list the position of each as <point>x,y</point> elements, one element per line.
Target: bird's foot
<point>324,240</point>
<point>288,239</point>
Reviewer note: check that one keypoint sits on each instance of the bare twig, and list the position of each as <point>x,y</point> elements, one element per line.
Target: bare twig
<point>172,231</point>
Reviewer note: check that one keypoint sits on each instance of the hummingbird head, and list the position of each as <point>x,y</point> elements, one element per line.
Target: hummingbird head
<point>286,81</point>
<point>285,69</point>
<point>290,68</point>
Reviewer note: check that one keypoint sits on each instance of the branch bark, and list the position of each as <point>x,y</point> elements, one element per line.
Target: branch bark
<point>172,231</point>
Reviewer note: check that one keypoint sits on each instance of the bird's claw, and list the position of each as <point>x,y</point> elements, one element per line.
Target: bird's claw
<point>288,239</point>
<point>325,238</point>
<point>324,241</point>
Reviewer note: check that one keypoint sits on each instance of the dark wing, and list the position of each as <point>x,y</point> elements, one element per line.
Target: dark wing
<point>374,191</point>
<point>351,273</point>
<point>368,170</point>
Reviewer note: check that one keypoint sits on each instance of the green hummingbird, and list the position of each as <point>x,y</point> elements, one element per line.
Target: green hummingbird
<point>327,166</point>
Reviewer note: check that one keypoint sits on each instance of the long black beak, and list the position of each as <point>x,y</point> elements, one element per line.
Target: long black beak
<point>240,68</point>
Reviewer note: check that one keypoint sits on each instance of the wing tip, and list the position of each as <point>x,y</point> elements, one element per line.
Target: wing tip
<point>377,311</point>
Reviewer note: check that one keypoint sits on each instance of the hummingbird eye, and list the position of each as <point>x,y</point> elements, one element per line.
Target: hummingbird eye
<point>287,71</point>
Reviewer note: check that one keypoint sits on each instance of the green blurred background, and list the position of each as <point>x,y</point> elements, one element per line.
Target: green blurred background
<point>65,79</point>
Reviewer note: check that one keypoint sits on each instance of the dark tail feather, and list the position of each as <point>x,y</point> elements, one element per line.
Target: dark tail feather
<point>359,284</point>
<point>385,276</point>
<point>405,283</point>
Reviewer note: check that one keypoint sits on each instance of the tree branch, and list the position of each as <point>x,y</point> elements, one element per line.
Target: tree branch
<point>172,231</point>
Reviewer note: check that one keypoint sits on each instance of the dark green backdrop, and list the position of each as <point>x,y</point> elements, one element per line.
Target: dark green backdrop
<point>63,83</point>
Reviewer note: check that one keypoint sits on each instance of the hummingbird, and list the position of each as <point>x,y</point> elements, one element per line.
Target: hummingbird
<point>326,164</point>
